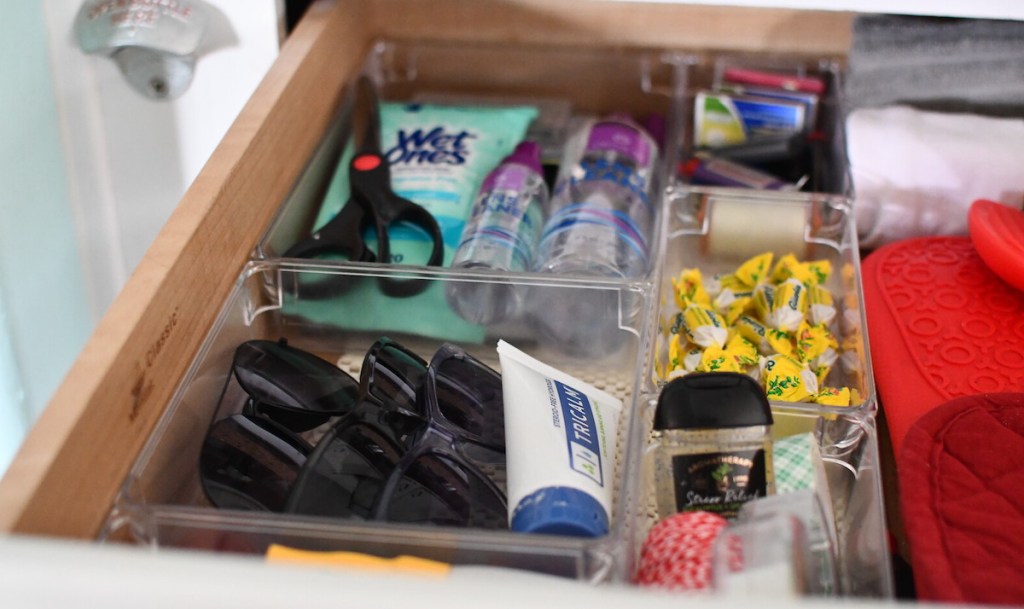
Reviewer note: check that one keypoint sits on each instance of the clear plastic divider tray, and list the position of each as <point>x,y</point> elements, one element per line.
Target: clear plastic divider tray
<point>163,502</point>
<point>609,332</point>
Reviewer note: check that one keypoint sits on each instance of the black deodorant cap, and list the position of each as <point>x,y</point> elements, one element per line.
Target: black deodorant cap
<point>710,400</point>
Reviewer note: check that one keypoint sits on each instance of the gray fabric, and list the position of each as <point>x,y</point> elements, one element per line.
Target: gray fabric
<point>961,65</point>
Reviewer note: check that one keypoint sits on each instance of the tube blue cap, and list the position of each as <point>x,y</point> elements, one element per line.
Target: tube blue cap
<point>560,510</point>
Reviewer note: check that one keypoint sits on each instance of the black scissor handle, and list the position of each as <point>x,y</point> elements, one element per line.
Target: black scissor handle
<point>343,235</point>
<point>370,177</point>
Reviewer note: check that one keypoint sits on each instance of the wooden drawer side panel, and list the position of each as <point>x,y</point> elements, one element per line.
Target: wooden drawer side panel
<point>71,465</point>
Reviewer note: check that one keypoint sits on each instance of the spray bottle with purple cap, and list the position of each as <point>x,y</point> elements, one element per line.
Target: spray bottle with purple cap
<point>501,235</point>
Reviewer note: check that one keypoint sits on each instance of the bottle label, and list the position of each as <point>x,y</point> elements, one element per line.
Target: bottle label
<point>618,226</point>
<point>623,139</point>
<point>581,432</point>
<point>719,482</point>
<point>616,172</point>
<point>505,223</point>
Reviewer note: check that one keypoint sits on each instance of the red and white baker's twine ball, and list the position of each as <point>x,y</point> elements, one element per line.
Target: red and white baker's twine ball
<point>678,552</point>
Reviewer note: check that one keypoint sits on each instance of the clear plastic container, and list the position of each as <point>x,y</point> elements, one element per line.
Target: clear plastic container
<point>162,502</point>
<point>716,229</point>
<point>611,339</point>
<point>713,229</point>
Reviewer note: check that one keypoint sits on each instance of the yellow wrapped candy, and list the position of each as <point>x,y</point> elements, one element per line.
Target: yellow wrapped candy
<point>812,272</point>
<point>755,332</point>
<point>783,268</point>
<point>689,289</point>
<point>742,349</point>
<point>789,306</point>
<point>732,304</point>
<point>821,307</point>
<point>763,300</point>
<point>779,341</point>
<point>821,372</point>
<point>717,359</point>
<point>675,353</point>
<point>704,327</point>
<point>682,356</point>
<point>833,396</point>
<point>813,342</point>
<point>723,281</point>
<point>788,380</point>
<point>755,270</point>
<point>820,271</point>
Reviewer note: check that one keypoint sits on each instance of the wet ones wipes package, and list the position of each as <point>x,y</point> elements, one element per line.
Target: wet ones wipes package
<point>439,155</point>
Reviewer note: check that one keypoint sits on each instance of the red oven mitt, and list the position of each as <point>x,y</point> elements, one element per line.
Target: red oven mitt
<point>941,325</point>
<point>961,477</point>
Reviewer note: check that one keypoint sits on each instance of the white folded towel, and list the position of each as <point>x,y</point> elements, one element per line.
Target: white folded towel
<point>916,173</point>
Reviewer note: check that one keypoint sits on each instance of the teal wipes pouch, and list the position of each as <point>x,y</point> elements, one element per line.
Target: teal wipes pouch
<point>439,155</point>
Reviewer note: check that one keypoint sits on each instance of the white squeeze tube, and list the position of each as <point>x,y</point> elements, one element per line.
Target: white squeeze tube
<point>560,436</point>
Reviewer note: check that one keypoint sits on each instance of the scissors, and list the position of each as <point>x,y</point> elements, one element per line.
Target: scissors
<point>372,203</point>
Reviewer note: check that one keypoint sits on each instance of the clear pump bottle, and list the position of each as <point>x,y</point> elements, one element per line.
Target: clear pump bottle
<point>712,444</point>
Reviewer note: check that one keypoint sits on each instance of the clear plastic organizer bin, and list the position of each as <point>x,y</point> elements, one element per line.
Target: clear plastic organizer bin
<point>813,162</point>
<point>566,85</point>
<point>612,333</point>
<point>163,503</point>
<point>847,550</point>
<point>715,230</point>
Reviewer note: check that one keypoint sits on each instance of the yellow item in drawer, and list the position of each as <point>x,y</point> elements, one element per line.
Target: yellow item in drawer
<point>755,332</point>
<point>718,359</point>
<point>788,380</point>
<point>724,281</point>
<point>833,396</point>
<point>733,304</point>
<point>682,356</point>
<point>689,289</point>
<point>742,349</point>
<point>764,300</point>
<point>812,342</point>
<point>355,560</point>
<point>789,306</point>
<point>811,272</point>
<point>704,326</point>
<point>821,308</point>
<point>755,270</point>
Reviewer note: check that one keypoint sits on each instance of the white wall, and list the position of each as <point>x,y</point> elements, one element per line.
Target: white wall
<point>90,170</point>
<point>44,317</point>
<point>131,158</point>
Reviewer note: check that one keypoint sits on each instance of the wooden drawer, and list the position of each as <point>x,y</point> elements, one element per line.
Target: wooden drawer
<point>64,479</point>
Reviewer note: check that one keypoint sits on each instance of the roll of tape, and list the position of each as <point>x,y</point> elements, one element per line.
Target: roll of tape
<point>739,228</point>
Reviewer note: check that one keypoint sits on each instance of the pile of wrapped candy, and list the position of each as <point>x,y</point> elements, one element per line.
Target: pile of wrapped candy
<point>771,321</point>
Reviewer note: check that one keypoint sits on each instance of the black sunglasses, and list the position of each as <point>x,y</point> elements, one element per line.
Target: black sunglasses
<point>290,386</point>
<point>423,448</point>
<point>416,442</point>
<point>251,463</point>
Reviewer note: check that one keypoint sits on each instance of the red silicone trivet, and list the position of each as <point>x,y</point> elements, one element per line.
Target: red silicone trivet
<point>941,325</point>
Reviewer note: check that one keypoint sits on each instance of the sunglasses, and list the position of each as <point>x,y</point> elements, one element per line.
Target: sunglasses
<point>415,442</point>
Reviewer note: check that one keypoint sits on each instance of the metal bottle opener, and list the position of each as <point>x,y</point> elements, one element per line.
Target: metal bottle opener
<point>155,43</point>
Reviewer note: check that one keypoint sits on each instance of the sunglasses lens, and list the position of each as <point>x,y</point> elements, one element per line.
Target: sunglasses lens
<point>438,490</point>
<point>392,374</point>
<point>469,395</point>
<point>346,473</point>
<point>292,386</point>
<point>250,464</point>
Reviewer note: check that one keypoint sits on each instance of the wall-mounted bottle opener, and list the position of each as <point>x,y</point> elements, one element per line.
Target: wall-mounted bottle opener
<point>155,43</point>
